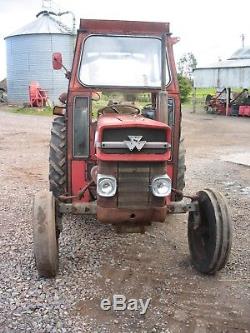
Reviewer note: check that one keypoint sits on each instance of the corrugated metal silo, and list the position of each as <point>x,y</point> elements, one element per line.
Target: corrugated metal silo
<point>29,54</point>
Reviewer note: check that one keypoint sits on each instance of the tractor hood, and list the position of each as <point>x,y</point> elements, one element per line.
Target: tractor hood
<point>125,137</point>
<point>128,120</point>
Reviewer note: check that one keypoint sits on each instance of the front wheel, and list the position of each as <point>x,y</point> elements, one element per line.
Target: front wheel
<point>210,232</point>
<point>45,234</point>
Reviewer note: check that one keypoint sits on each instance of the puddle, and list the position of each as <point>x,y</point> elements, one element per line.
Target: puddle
<point>238,158</point>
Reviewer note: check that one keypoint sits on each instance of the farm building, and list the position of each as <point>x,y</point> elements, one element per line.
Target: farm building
<point>233,72</point>
<point>225,75</point>
<point>29,57</point>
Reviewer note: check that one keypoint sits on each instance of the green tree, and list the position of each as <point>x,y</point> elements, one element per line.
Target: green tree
<point>185,85</point>
<point>186,64</point>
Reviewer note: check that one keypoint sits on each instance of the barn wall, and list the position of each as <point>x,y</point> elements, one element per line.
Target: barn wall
<point>222,77</point>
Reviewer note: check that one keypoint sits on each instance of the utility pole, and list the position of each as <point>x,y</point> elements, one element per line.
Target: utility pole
<point>242,40</point>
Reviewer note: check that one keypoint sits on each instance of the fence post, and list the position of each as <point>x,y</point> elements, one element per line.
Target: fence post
<point>194,100</point>
<point>228,94</point>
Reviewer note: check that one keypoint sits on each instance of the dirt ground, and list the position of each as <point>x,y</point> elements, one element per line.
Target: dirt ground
<point>96,263</point>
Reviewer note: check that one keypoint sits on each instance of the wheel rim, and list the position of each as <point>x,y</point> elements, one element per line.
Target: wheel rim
<point>44,234</point>
<point>202,237</point>
<point>210,239</point>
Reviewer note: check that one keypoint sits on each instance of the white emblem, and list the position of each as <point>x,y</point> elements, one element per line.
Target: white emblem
<point>135,142</point>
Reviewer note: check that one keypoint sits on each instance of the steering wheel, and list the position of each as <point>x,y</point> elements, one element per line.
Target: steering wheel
<point>148,105</point>
<point>120,109</point>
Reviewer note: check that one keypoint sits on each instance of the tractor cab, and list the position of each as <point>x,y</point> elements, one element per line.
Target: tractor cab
<point>128,146</point>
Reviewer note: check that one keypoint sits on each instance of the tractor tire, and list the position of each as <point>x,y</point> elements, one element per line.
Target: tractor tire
<point>210,232</point>
<point>57,157</point>
<point>181,170</point>
<point>45,242</point>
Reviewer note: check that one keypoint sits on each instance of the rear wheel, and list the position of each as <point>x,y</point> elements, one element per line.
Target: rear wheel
<point>181,170</point>
<point>210,232</point>
<point>57,164</point>
<point>57,157</point>
<point>45,234</point>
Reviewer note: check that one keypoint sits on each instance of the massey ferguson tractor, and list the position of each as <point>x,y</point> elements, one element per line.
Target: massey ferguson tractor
<point>124,164</point>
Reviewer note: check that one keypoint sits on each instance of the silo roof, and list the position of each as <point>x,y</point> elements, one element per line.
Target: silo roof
<point>44,24</point>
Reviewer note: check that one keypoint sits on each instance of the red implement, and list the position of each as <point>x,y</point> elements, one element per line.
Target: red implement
<point>38,97</point>
<point>244,111</point>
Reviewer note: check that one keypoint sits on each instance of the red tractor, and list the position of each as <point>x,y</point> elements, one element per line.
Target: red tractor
<point>124,164</point>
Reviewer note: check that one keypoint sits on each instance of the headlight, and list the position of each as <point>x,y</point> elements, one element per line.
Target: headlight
<point>161,186</point>
<point>106,185</point>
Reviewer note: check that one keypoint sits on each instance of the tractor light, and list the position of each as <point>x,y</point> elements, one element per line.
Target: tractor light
<point>161,186</point>
<point>106,185</point>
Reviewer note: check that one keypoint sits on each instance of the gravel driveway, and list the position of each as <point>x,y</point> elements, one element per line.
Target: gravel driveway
<point>95,262</point>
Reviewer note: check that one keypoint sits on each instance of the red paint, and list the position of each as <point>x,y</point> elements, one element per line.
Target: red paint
<point>38,97</point>
<point>127,121</point>
<point>244,111</point>
<point>170,171</point>
<point>79,179</point>
<point>133,157</point>
<point>124,27</point>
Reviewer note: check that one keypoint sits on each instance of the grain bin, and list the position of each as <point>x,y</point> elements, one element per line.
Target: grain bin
<point>29,54</point>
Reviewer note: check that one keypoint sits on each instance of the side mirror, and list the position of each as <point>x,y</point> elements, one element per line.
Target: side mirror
<point>57,60</point>
<point>174,40</point>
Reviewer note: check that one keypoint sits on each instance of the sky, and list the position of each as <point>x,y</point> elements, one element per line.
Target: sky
<point>211,30</point>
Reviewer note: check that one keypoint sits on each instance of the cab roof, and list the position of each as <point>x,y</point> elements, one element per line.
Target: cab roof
<point>124,27</point>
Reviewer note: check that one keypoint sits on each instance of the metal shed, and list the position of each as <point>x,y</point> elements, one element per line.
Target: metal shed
<point>233,72</point>
<point>29,54</point>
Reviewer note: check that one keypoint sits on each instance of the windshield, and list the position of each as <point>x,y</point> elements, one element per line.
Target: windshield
<point>121,61</point>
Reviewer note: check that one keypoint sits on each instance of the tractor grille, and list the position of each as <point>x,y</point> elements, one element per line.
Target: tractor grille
<point>134,184</point>
<point>122,134</point>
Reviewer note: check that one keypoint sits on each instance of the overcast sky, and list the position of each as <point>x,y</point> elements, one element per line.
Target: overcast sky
<point>210,29</point>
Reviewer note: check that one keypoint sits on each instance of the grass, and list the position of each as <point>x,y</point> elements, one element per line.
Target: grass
<point>205,91</point>
<point>46,111</point>
<point>96,105</point>
<point>201,94</point>
<point>187,105</point>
